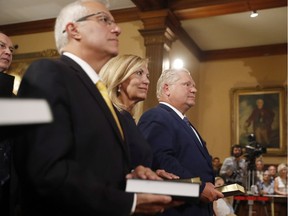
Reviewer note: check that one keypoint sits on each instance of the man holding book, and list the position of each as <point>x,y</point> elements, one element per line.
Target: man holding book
<point>177,146</point>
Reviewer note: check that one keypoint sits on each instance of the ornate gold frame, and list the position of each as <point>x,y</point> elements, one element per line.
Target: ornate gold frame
<point>21,62</point>
<point>243,103</point>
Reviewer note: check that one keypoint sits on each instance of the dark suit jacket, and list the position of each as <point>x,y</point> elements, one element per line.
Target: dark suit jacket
<point>140,150</point>
<point>175,149</point>
<point>77,164</point>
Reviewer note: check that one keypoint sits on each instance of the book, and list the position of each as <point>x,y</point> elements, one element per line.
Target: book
<point>190,180</point>
<point>231,190</point>
<point>24,111</point>
<point>177,189</point>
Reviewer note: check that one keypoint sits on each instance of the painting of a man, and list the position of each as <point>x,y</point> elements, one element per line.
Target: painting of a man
<point>261,118</point>
<point>260,112</point>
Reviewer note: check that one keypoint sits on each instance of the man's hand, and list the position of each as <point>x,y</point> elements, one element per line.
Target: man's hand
<point>153,204</point>
<point>166,175</point>
<point>142,172</point>
<point>210,194</point>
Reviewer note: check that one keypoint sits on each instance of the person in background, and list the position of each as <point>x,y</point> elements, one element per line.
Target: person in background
<point>280,182</point>
<point>234,168</point>
<point>78,163</point>
<point>177,147</point>
<point>224,206</point>
<point>216,166</point>
<point>127,80</point>
<point>6,91</point>
<point>259,167</point>
<point>266,185</point>
<point>272,172</point>
<point>6,55</point>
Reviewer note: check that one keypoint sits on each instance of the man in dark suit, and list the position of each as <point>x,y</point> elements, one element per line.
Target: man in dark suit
<point>177,146</point>
<point>77,165</point>
<point>6,91</point>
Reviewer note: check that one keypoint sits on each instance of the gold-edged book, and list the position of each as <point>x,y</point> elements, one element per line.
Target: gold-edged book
<point>231,190</point>
<point>190,180</point>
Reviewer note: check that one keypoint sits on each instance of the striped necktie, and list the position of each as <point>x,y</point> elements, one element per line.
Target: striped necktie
<point>103,90</point>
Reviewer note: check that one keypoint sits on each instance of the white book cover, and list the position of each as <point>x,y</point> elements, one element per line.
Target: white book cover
<point>24,111</point>
<point>165,187</point>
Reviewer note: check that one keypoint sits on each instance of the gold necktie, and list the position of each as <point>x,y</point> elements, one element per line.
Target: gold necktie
<point>103,90</point>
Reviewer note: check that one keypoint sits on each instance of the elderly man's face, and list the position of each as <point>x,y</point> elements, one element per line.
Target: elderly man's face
<point>6,50</point>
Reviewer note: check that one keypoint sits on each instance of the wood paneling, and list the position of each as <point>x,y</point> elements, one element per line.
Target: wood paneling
<point>181,10</point>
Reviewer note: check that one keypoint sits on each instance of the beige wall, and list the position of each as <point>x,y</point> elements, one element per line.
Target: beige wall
<point>34,42</point>
<point>214,80</point>
<point>130,40</point>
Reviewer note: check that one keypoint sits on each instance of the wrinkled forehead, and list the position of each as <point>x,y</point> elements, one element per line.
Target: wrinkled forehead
<point>5,39</point>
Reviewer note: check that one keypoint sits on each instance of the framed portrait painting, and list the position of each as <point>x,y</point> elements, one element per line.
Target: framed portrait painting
<point>260,114</point>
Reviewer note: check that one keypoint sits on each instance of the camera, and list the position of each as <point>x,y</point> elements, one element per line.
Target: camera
<point>253,149</point>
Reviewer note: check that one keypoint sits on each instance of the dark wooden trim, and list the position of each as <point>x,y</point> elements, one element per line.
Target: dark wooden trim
<point>190,9</point>
<point>267,50</point>
<point>28,27</point>
<point>182,9</point>
<point>123,15</point>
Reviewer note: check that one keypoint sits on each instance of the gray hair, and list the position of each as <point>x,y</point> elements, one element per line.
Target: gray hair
<point>169,76</point>
<point>70,13</point>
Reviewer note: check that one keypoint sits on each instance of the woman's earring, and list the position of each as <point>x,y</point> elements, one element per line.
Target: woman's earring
<point>119,89</point>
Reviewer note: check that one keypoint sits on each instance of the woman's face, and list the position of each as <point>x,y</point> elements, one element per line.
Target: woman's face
<point>135,88</point>
<point>283,172</point>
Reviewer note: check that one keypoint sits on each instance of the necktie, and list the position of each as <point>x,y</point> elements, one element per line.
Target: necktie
<point>185,119</point>
<point>103,90</point>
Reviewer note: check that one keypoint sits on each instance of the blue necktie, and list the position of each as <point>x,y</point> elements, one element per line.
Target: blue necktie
<point>185,119</point>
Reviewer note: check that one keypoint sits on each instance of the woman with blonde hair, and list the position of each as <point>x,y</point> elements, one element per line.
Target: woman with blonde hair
<point>127,81</point>
<point>280,182</point>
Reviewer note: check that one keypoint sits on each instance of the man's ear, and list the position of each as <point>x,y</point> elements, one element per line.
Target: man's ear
<point>72,30</point>
<point>166,89</point>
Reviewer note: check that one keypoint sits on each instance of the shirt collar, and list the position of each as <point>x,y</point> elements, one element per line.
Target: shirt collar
<point>85,66</point>
<point>175,110</point>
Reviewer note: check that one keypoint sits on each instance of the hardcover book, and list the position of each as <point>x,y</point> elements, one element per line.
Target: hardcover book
<point>231,190</point>
<point>24,111</point>
<point>190,180</point>
<point>177,189</point>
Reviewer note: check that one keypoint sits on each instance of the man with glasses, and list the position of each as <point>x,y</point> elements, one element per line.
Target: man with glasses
<point>6,90</point>
<point>78,164</point>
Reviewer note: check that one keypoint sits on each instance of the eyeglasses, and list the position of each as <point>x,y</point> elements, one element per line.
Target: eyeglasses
<point>4,46</point>
<point>102,18</point>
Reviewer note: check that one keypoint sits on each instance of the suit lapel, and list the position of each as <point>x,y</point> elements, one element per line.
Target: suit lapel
<point>189,131</point>
<point>98,98</point>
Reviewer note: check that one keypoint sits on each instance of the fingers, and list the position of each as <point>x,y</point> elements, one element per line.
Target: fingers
<point>152,204</point>
<point>143,173</point>
<point>166,175</point>
<point>210,194</point>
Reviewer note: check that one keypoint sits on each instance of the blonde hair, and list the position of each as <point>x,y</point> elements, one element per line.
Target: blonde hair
<point>116,71</point>
<point>281,167</point>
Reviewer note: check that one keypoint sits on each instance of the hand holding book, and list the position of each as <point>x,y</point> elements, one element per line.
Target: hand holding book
<point>231,190</point>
